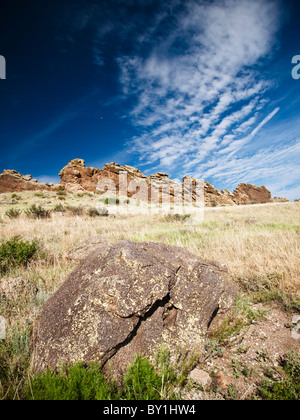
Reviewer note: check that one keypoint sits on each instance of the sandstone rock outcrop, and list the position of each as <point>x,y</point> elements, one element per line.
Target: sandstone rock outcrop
<point>130,298</point>
<point>13,181</point>
<point>250,194</point>
<point>75,177</point>
<point>128,181</point>
<point>280,200</point>
<point>214,197</point>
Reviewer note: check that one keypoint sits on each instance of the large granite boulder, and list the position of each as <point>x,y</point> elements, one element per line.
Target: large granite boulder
<point>130,298</point>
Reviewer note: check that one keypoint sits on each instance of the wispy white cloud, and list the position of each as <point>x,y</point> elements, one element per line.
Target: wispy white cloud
<point>201,97</point>
<point>192,89</point>
<point>265,121</point>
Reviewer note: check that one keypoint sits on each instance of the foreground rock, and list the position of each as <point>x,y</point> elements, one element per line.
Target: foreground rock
<point>80,252</point>
<point>130,298</point>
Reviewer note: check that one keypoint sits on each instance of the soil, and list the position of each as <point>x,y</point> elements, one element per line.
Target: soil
<point>257,350</point>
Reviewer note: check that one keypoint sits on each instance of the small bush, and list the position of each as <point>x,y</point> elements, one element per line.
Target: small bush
<point>99,211</point>
<point>16,252</point>
<point>59,208</point>
<point>288,386</point>
<point>76,211</point>
<point>176,217</point>
<point>74,383</point>
<point>13,213</point>
<point>93,212</point>
<point>141,381</point>
<point>110,200</point>
<point>61,193</point>
<point>103,211</point>
<point>37,212</point>
<point>78,382</point>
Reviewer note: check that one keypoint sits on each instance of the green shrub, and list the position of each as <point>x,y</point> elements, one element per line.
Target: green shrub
<point>76,210</point>
<point>141,382</point>
<point>13,213</point>
<point>39,194</point>
<point>61,193</point>
<point>176,217</point>
<point>73,383</point>
<point>93,212</point>
<point>110,200</point>
<point>16,252</point>
<point>59,208</point>
<point>288,386</point>
<point>37,212</point>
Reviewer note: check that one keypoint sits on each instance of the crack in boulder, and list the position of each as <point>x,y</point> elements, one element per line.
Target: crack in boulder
<point>111,308</point>
<point>158,304</point>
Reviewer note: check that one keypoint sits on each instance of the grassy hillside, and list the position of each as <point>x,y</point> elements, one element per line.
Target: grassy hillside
<point>259,244</point>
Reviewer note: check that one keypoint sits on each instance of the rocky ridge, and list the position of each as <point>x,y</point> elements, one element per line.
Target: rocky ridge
<point>129,181</point>
<point>13,181</point>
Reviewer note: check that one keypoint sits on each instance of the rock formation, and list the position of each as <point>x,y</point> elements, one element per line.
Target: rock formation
<point>13,181</point>
<point>214,197</point>
<point>128,181</point>
<point>280,200</point>
<point>250,194</point>
<point>75,177</point>
<point>131,298</point>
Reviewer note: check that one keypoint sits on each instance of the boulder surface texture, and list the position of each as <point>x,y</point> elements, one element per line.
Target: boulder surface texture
<point>130,298</point>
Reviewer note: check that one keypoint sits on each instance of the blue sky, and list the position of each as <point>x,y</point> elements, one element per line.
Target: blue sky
<point>195,87</point>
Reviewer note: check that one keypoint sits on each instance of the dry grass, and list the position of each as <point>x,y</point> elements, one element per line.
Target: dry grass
<point>259,244</point>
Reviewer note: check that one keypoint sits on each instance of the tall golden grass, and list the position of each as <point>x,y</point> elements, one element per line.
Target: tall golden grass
<point>258,243</point>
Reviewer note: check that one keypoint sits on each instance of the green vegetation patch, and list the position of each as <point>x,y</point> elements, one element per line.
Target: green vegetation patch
<point>16,252</point>
<point>38,212</point>
<point>77,382</point>
<point>286,385</point>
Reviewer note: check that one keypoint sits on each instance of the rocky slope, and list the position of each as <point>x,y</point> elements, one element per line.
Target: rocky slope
<point>128,181</point>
